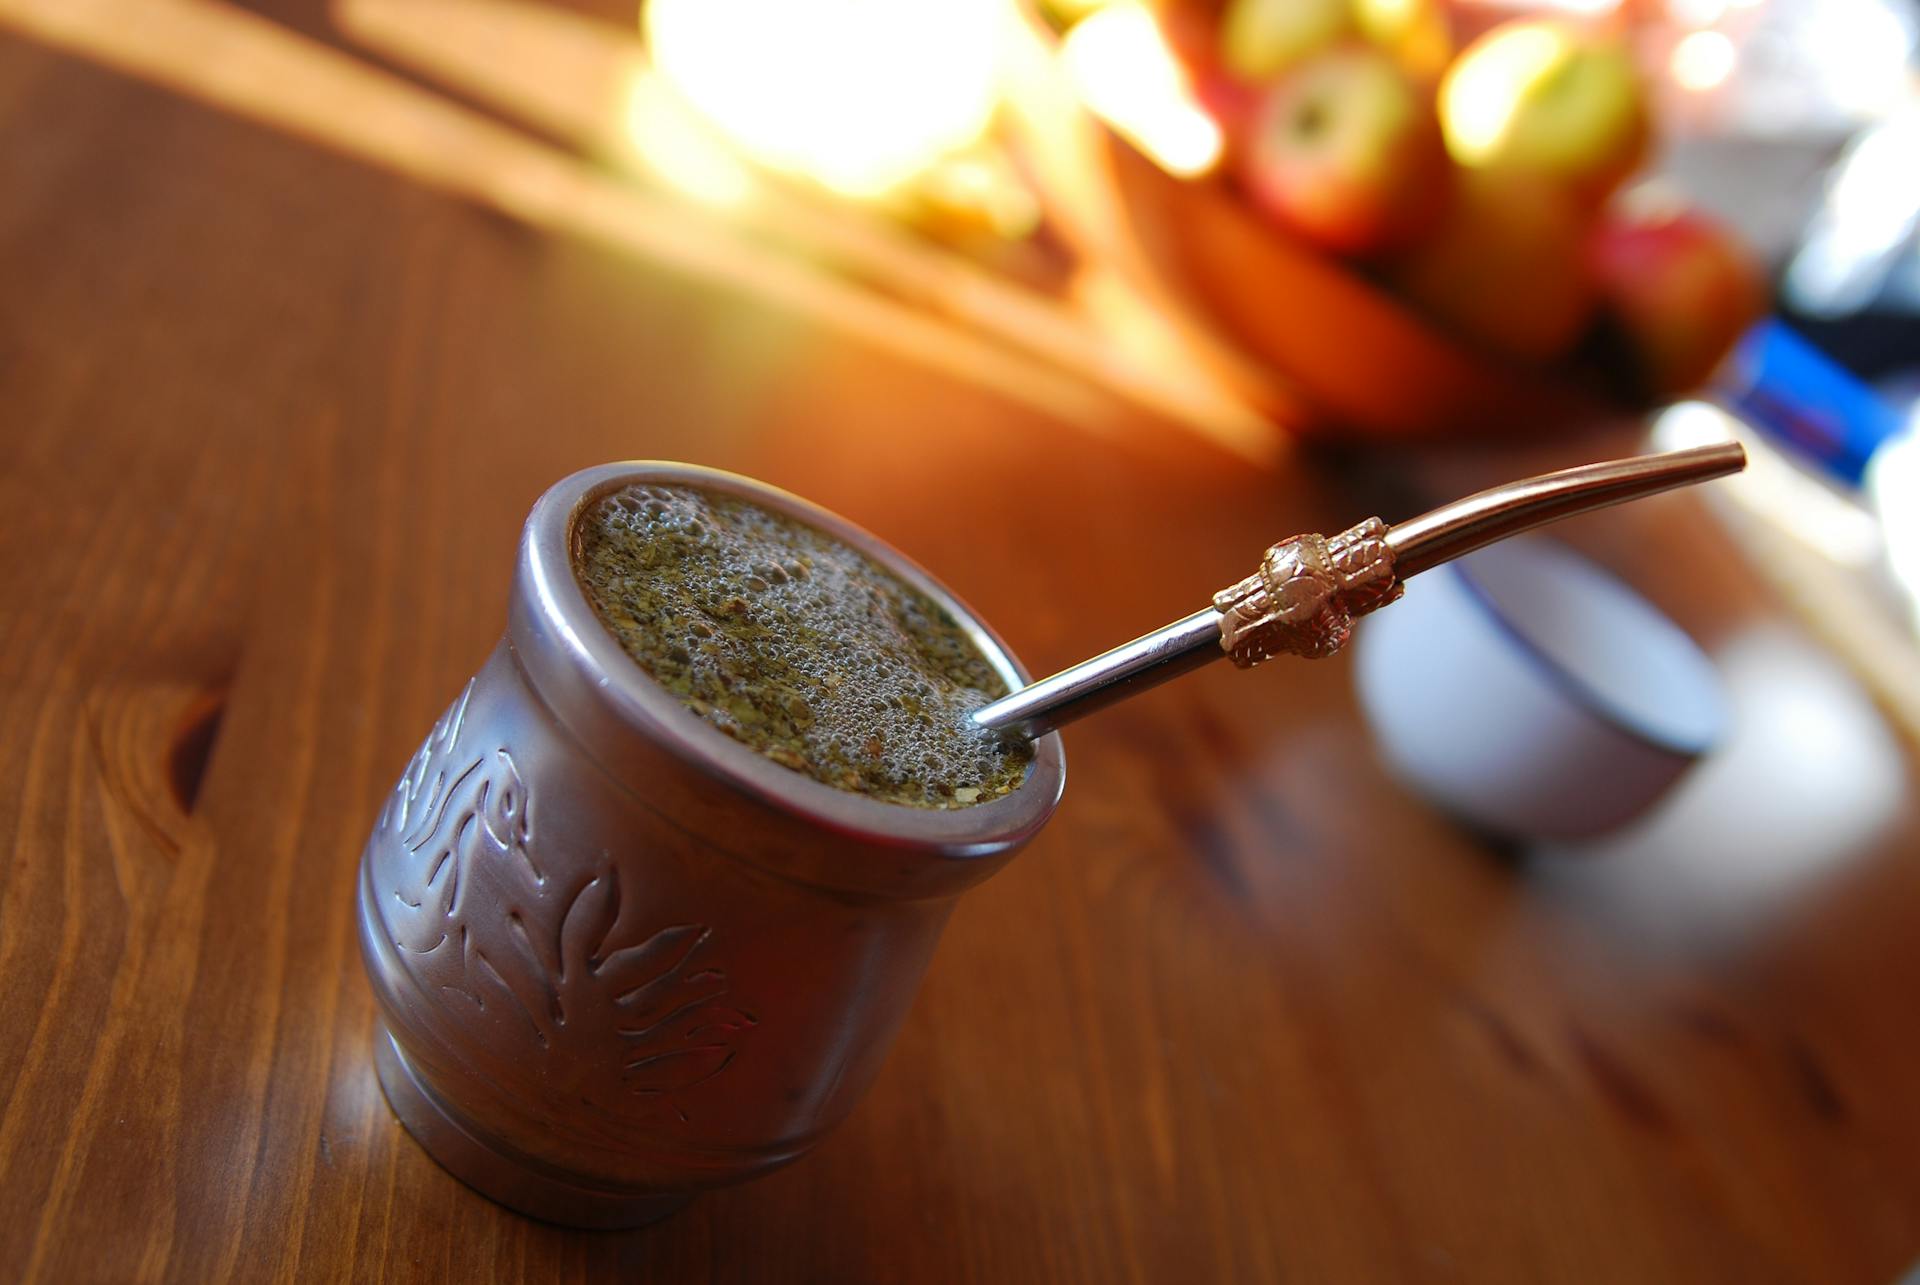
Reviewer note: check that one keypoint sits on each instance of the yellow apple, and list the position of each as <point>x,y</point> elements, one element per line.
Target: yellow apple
<point>1259,39</point>
<point>1416,32</point>
<point>1549,98</point>
<point>1506,268</point>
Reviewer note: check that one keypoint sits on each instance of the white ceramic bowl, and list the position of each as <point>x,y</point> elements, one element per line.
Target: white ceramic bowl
<point>1533,694</point>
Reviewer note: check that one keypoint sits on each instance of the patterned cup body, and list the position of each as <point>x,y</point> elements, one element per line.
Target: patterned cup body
<point>620,957</point>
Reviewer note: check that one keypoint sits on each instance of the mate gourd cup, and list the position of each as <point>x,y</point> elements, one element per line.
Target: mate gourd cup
<point>620,957</point>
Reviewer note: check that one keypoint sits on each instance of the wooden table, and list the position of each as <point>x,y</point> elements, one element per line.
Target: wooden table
<point>270,417</point>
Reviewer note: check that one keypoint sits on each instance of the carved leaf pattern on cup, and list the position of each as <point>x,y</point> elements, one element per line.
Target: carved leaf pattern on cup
<point>564,973</point>
<point>449,810</point>
<point>673,1016</point>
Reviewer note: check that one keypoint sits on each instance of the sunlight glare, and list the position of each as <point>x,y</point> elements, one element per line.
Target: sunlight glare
<point>1703,60</point>
<point>1120,64</point>
<point>861,96</point>
<point>678,147</point>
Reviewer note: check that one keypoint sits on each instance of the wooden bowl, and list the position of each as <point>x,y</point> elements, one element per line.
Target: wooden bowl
<point>1325,350</point>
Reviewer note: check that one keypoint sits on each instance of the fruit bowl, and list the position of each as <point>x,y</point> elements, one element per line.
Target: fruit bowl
<point>1320,346</point>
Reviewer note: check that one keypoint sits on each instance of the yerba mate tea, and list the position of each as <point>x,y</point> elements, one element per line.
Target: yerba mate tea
<point>796,645</point>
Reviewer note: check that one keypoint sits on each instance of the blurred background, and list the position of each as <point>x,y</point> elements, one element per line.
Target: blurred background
<point>1440,240</point>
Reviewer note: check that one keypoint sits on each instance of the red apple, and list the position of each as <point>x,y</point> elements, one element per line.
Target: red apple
<point>1191,29</point>
<point>1346,151</point>
<point>1505,269</point>
<point>1681,287</point>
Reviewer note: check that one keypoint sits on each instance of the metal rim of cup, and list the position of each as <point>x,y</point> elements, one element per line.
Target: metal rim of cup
<point>621,686</point>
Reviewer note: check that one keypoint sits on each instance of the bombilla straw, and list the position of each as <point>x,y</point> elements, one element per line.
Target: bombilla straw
<point>1456,529</point>
<point>1309,588</point>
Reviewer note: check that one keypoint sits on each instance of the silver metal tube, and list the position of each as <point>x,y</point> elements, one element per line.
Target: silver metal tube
<point>1418,545</point>
<point>1132,667</point>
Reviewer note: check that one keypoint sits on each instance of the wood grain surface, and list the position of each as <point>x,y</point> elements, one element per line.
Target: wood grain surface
<point>269,422</point>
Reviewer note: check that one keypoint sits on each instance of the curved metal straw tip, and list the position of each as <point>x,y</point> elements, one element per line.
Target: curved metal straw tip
<point>1308,589</point>
<point>1456,529</point>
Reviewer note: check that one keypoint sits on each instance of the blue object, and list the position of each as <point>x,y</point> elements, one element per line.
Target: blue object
<point>1801,398</point>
